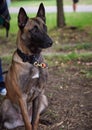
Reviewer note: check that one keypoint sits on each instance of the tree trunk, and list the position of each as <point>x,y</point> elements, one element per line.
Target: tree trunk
<point>60,14</point>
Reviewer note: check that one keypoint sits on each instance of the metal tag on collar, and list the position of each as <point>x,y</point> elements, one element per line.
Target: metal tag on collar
<point>35,63</point>
<point>42,65</point>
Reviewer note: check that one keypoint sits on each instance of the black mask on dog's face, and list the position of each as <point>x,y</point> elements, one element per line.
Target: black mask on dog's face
<point>36,35</point>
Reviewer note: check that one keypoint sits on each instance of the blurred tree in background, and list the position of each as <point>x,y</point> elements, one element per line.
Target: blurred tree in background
<point>60,14</point>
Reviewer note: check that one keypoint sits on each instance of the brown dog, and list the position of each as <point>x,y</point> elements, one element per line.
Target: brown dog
<point>26,78</point>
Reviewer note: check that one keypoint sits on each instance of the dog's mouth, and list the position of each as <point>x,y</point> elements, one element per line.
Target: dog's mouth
<point>36,47</point>
<point>41,40</point>
<point>46,43</point>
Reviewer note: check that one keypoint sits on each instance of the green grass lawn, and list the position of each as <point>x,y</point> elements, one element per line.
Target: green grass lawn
<point>81,2</point>
<point>33,3</point>
<point>80,20</point>
<point>84,57</point>
<point>46,2</point>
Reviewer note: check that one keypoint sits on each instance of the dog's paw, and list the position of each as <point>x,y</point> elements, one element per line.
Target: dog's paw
<point>12,125</point>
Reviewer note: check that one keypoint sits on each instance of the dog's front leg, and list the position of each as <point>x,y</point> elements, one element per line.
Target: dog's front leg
<point>35,113</point>
<point>25,116</point>
<point>39,105</point>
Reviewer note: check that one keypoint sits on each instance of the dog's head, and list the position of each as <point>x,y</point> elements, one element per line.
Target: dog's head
<point>34,30</point>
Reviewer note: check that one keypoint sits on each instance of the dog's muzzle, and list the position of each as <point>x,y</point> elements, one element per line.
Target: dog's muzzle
<point>40,39</point>
<point>47,42</point>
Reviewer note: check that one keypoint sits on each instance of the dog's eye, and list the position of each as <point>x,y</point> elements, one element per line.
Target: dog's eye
<point>45,28</point>
<point>35,28</point>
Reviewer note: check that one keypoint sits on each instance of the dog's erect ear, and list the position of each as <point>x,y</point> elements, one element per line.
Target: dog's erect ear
<point>41,12</point>
<point>22,18</point>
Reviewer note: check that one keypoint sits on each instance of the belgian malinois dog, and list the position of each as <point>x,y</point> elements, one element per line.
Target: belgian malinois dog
<point>27,76</point>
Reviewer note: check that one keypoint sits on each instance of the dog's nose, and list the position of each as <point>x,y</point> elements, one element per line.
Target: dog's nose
<point>49,42</point>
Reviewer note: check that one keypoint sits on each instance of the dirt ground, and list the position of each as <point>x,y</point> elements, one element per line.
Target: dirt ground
<point>69,90</point>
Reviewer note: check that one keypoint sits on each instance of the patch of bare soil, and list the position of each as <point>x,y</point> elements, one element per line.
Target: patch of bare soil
<point>68,35</point>
<point>70,98</point>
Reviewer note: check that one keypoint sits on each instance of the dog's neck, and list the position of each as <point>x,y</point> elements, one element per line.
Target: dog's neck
<point>36,60</point>
<point>28,58</point>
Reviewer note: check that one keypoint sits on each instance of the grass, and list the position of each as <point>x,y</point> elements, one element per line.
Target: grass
<point>81,2</point>
<point>89,73</point>
<point>33,3</point>
<point>82,46</point>
<point>58,59</point>
<point>46,2</point>
<point>80,20</point>
<point>6,59</point>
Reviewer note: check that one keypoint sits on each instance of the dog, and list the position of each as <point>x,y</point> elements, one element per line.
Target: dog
<point>27,76</point>
<point>4,16</point>
<point>6,25</point>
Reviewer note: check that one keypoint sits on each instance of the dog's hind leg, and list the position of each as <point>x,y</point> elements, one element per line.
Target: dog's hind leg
<point>11,117</point>
<point>39,105</point>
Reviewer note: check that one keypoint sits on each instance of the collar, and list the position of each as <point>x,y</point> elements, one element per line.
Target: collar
<point>32,59</point>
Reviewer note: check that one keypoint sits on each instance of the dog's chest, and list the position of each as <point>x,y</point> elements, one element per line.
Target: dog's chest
<point>36,75</point>
<point>28,74</point>
<point>31,78</point>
